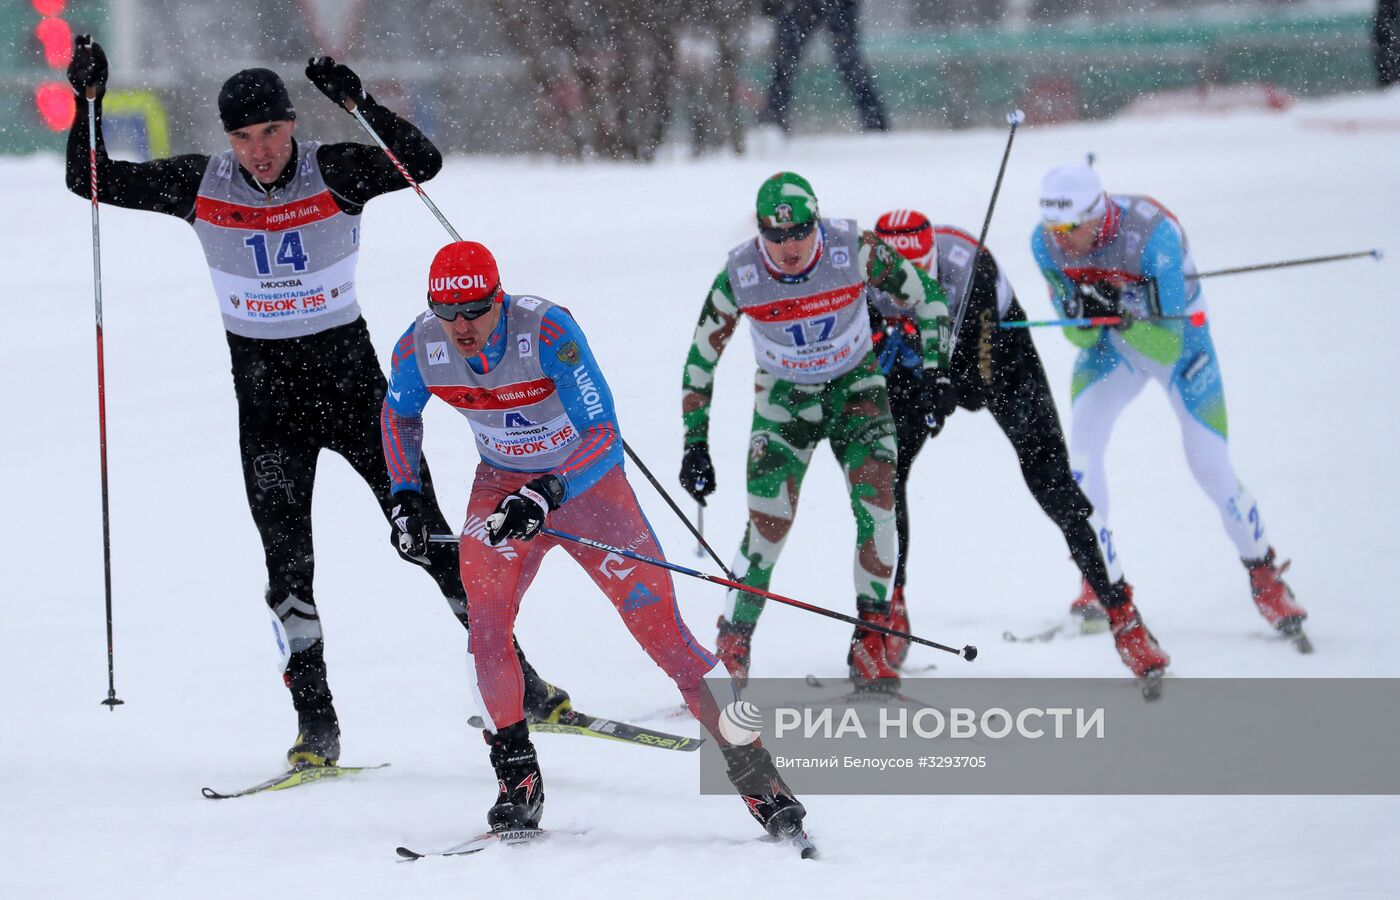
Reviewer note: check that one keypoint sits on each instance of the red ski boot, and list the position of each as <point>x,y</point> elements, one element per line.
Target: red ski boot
<point>732,648</point>
<point>1274,599</point>
<point>1136,645</point>
<point>870,670</point>
<point>897,649</point>
<point>1089,612</point>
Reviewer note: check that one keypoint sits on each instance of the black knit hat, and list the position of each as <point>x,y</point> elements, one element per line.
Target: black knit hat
<point>254,95</point>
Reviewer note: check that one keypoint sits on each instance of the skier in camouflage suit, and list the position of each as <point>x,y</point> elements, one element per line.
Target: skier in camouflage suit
<point>807,285</point>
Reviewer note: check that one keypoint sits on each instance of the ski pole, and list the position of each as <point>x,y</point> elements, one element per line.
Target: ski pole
<point>1288,263</point>
<point>111,702</point>
<point>354,111</point>
<point>700,526</point>
<point>1197,319</point>
<point>352,108</point>
<point>968,652</point>
<point>1014,119</point>
<point>698,532</point>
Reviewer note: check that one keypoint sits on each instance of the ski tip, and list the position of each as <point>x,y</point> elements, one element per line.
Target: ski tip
<point>211,794</point>
<point>809,852</point>
<point>969,652</point>
<point>1377,254</point>
<point>406,853</point>
<point>1302,644</point>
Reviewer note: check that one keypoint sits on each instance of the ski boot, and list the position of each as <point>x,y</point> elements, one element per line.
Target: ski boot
<point>732,648</point>
<point>1273,597</point>
<point>1088,611</point>
<point>318,739</point>
<point>520,787</point>
<point>769,801</point>
<point>869,669</point>
<point>1136,646</point>
<point>544,702</point>
<point>897,649</point>
<point>318,730</point>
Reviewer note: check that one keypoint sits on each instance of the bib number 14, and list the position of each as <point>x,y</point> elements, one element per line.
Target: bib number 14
<point>289,252</point>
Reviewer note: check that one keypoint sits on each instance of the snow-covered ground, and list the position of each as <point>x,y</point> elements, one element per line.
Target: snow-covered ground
<point>107,804</point>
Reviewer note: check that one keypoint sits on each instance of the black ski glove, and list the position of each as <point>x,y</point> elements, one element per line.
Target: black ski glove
<point>410,532</point>
<point>88,67</point>
<point>938,398</point>
<point>521,515</point>
<point>335,80</point>
<point>1099,299</point>
<point>697,472</point>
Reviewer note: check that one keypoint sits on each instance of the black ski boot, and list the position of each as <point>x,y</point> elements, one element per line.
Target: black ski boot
<point>544,702</point>
<point>520,787</point>
<point>754,776</point>
<point>318,730</point>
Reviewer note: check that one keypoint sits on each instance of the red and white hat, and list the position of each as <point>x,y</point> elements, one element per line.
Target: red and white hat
<point>910,232</point>
<point>464,273</point>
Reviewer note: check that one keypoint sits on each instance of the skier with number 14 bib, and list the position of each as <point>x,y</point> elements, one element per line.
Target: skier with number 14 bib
<point>279,223</point>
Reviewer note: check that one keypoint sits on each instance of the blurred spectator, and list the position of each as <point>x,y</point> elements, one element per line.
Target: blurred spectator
<point>798,20</point>
<point>1386,35</point>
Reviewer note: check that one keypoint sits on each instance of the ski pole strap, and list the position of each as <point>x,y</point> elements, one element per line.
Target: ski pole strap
<point>968,652</point>
<point>1197,319</point>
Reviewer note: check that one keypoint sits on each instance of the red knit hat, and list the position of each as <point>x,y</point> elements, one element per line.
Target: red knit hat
<point>463,273</point>
<point>910,232</point>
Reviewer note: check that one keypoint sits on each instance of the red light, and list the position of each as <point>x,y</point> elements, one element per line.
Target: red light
<point>48,7</point>
<point>54,100</point>
<point>57,39</point>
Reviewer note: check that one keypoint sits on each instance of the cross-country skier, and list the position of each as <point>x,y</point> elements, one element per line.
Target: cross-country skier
<point>279,222</point>
<point>1127,255</point>
<point>998,369</point>
<point>805,284</point>
<point>520,370</point>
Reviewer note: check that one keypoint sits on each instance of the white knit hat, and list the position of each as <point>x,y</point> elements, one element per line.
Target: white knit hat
<point>1071,194</point>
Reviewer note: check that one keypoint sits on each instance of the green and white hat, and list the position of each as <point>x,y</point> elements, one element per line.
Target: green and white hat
<point>786,199</point>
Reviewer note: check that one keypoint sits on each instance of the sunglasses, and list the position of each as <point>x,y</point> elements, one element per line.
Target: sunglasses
<point>790,233</point>
<point>450,312</point>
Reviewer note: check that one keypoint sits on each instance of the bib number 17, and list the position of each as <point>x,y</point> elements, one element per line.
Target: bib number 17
<point>800,331</point>
<point>289,252</point>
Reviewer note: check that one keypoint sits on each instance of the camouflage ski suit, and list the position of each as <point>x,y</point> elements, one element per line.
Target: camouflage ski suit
<point>816,379</point>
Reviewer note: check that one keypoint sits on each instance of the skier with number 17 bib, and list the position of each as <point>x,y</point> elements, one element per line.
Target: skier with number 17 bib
<point>521,372</point>
<point>279,223</point>
<point>806,284</point>
<point>1126,255</point>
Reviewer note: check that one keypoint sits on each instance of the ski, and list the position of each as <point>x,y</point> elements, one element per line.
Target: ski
<point>574,722</point>
<point>1033,637</point>
<point>508,838</point>
<point>291,779</point>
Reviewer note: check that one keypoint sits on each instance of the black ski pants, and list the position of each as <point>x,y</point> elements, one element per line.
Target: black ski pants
<point>297,397</point>
<point>999,369</point>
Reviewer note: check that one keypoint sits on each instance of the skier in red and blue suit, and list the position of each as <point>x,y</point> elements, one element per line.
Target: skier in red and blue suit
<point>520,370</point>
